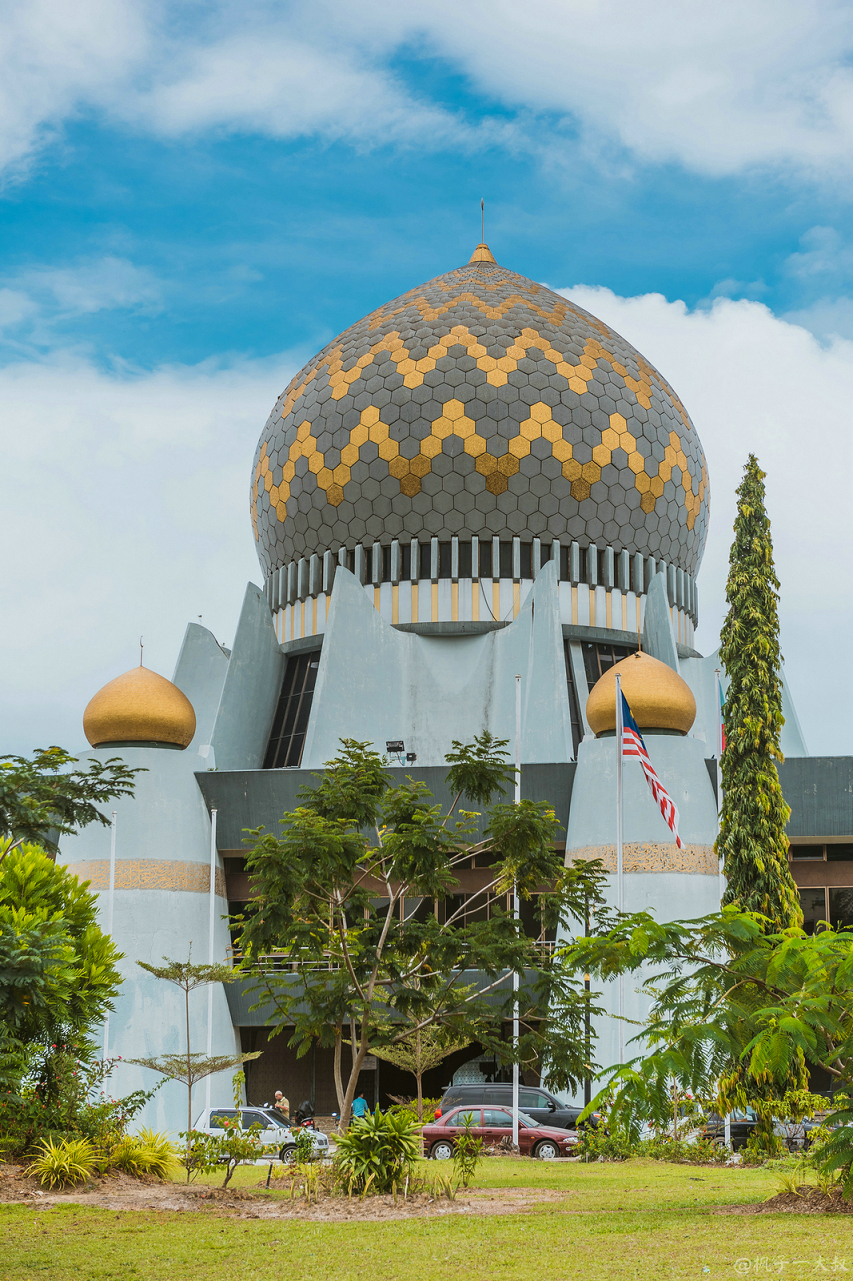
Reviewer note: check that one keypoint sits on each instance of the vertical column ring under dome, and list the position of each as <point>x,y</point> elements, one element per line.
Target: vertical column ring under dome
<point>484,405</point>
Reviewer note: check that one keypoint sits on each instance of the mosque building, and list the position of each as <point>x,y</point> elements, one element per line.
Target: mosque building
<point>476,481</point>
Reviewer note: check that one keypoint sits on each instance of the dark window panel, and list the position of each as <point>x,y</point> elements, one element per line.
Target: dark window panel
<point>807,851</point>
<point>406,562</point>
<point>813,903</point>
<point>464,560</point>
<point>444,560</point>
<point>485,558</point>
<point>574,709</point>
<point>425,566</point>
<point>526,560</point>
<point>564,563</point>
<point>506,560</point>
<point>838,853</point>
<point>841,908</point>
<point>290,722</point>
<point>386,564</point>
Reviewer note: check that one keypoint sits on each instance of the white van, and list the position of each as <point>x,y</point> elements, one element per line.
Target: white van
<point>274,1132</point>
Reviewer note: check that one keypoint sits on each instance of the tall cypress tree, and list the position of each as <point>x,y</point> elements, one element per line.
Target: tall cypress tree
<point>752,840</point>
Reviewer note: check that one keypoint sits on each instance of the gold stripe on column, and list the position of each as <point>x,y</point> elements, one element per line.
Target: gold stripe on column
<point>434,595</point>
<point>574,606</point>
<point>475,602</point>
<point>414,603</point>
<point>608,609</point>
<point>395,603</point>
<point>516,599</point>
<point>496,597</point>
<point>454,602</point>
<point>302,618</point>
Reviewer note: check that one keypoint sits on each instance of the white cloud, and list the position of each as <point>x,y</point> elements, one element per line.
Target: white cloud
<point>755,383</point>
<point>718,89</point>
<point>125,512</point>
<point>125,502</point>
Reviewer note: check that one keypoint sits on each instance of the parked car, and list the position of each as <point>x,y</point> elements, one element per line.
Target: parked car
<point>538,1103</point>
<point>795,1134</point>
<point>492,1125</point>
<point>275,1130</point>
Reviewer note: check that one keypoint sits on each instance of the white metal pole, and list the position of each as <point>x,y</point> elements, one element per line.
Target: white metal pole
<point>515,916</point>
<point>619,878</point>
<point>210,949</point>
<point>111,897</point>
<point>718,694</point>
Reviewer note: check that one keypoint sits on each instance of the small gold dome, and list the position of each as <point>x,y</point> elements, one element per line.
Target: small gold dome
<point>657,696</point>
<point>482,254</point>
<point>139,707</point>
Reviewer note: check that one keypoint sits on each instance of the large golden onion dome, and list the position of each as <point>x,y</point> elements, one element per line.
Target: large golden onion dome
<point>658,697</point>
<point>140,707</point>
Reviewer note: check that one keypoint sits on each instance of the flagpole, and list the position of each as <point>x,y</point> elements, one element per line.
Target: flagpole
<point>727,1122</point>
<point>515,917</point>
<point>210,950</point>
<point>619,868</point>
<point>110,910</point>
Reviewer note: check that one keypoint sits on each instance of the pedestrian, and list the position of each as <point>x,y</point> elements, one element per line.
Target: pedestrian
<point>282,1105</point>
<point>359,1106</point>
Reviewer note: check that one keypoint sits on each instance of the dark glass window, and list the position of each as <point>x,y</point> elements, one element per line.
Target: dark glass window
<point>506,560</point>
<point>582,559</point>
<point>406,562</point>
<point>838,853</point>
<point>813,903</point>
<point>807,851</point>
<point>425,561</point>
<point>574,708</point>
<point>841,909</point>
<point>564,564</point>
<point>545,550</point>
<point>464,560</point>
<point>386,564</point>
<point>599,657</point>
<point>291,716</point>
<point>444,559</point>
<point>485,557</point>
<point>526,560</point>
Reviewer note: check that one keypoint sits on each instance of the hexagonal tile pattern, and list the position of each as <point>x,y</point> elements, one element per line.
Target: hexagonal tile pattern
<point>480,383</point>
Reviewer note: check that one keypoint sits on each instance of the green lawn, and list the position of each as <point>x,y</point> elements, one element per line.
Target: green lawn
<point>635,1220</point>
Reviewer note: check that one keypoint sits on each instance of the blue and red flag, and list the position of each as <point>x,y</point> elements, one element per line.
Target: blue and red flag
<point>634,748</point>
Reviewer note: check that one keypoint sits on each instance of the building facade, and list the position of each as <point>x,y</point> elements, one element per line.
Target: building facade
<point>475,481</point>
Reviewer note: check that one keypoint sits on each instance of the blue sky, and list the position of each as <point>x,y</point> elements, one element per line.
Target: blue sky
<point>197,196</point>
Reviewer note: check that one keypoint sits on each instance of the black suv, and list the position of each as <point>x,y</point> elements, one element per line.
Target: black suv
<point>535,1101</point>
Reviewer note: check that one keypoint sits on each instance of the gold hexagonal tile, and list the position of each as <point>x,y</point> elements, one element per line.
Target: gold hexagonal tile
<point>601,455</point>
<point>519,446</point>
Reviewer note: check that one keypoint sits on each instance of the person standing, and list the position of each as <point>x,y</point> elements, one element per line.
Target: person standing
<point>359,1107</point>
<point>282,1105</point>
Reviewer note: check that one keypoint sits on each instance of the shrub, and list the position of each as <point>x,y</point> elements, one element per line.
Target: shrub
<point>67,1162</point>
<point>208,1153</point>
<point>467,1153</point>
<point>146,1153</point>
<point>377,1152</point>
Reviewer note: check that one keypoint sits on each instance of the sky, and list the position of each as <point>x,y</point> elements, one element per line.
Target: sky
<point>195,197</point>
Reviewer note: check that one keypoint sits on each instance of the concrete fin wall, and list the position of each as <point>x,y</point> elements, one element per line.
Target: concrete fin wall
<point>200,674</point>
<point>658,639</point>
<point>251,688</point>
<point>375,683</point>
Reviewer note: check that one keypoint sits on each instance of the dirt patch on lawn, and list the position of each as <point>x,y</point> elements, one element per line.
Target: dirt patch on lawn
<point>121,1193</point>
<point>806,1200</point>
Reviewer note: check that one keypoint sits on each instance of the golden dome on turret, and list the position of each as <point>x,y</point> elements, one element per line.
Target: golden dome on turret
<point>658,697</point>
<point>140,707</point>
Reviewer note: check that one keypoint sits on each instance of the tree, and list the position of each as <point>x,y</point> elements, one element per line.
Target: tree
<point>58,972</point>
<point>737,1014</point>
<point>752,840</point>
<point>421,1051</point>
<point>41,799</point>
<point>189,1067</point>
<point>354,898</point>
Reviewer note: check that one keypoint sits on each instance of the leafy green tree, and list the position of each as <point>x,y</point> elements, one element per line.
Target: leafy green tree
<point>42,799</point>
<point>190,1067</point>
<point>752,840</point>
<point>737,1015</point>
<point>355,900</point>
<point>58,972</point>
<point>421,1051</point>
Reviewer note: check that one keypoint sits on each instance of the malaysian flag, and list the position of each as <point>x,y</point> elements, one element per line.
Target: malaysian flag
<point>634,748</point>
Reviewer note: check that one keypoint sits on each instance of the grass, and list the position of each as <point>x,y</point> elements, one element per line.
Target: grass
<point>628,1222</point>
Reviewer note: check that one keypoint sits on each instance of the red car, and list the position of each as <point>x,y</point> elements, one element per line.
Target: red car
<point>492,1124</point>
